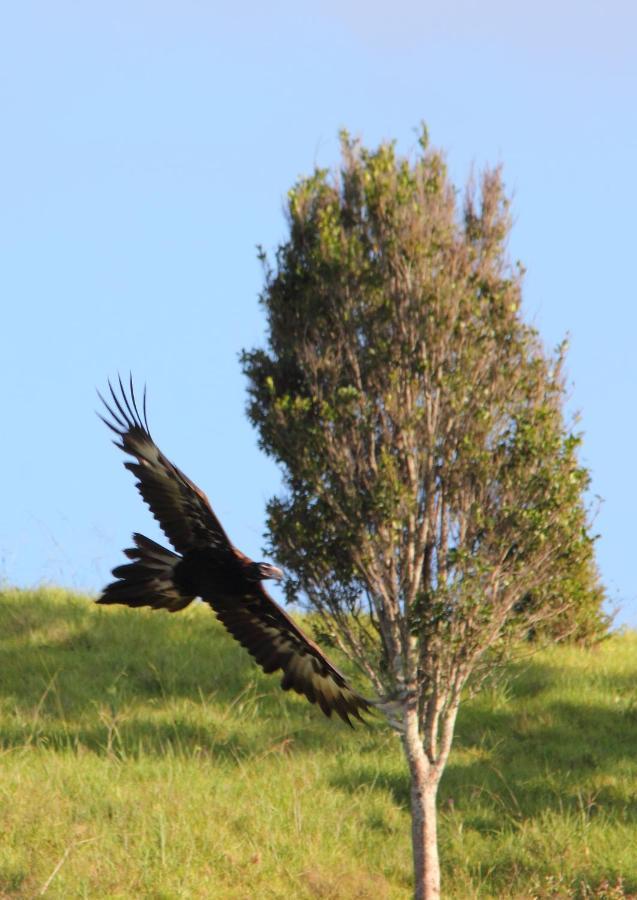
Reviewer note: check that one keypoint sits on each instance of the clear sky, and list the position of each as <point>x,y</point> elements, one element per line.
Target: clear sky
<point>147,147</point>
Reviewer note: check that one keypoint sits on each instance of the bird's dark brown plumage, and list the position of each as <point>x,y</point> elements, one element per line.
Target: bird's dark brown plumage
<point>209,566</point>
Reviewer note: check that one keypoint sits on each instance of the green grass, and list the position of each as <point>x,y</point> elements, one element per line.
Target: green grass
<point>144,755</point>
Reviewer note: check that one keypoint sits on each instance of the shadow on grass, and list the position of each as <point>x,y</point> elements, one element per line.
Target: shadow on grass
<point>540,751</point>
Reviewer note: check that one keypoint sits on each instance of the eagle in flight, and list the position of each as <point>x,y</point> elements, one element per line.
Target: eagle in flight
<point>209,566</point>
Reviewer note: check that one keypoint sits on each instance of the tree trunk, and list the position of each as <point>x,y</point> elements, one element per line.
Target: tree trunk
<point>424,787</point>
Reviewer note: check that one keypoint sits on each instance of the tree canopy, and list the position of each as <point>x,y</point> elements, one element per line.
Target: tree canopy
<point>412,408</point>
<point>434,509</point>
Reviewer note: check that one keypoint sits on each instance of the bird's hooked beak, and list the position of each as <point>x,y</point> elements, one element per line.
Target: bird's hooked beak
<point>268,571</point>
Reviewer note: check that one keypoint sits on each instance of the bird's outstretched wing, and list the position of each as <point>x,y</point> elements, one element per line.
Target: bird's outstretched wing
<point>187,519</point>
<point>276,642</point>
<point>180,507</point>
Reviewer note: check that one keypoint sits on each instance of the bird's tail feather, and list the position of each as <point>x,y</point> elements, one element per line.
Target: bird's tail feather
<point>148,580</point>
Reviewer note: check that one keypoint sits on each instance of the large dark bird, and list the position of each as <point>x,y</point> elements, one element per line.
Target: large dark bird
<point>209,566</point>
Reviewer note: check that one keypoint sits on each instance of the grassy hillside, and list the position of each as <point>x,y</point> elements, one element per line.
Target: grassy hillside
<point>143,755</point>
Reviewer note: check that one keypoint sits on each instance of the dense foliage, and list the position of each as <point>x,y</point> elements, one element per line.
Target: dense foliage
<point>403,393</point>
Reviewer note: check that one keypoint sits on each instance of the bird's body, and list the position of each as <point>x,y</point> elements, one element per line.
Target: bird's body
<point>209,566</point>
<point>203,571</point>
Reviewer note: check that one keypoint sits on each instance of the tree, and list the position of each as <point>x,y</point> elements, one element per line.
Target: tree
<point>434,497</point>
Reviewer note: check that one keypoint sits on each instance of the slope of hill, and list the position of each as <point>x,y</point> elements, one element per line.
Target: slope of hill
<point>144,755</point>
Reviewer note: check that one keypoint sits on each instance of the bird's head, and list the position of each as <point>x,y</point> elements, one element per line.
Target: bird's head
<point>261,571</point>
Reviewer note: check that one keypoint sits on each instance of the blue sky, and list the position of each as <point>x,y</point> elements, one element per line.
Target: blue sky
<point>148,147</point>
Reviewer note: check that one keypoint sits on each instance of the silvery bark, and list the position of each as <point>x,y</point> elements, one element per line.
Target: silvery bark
<point>424,787</point>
